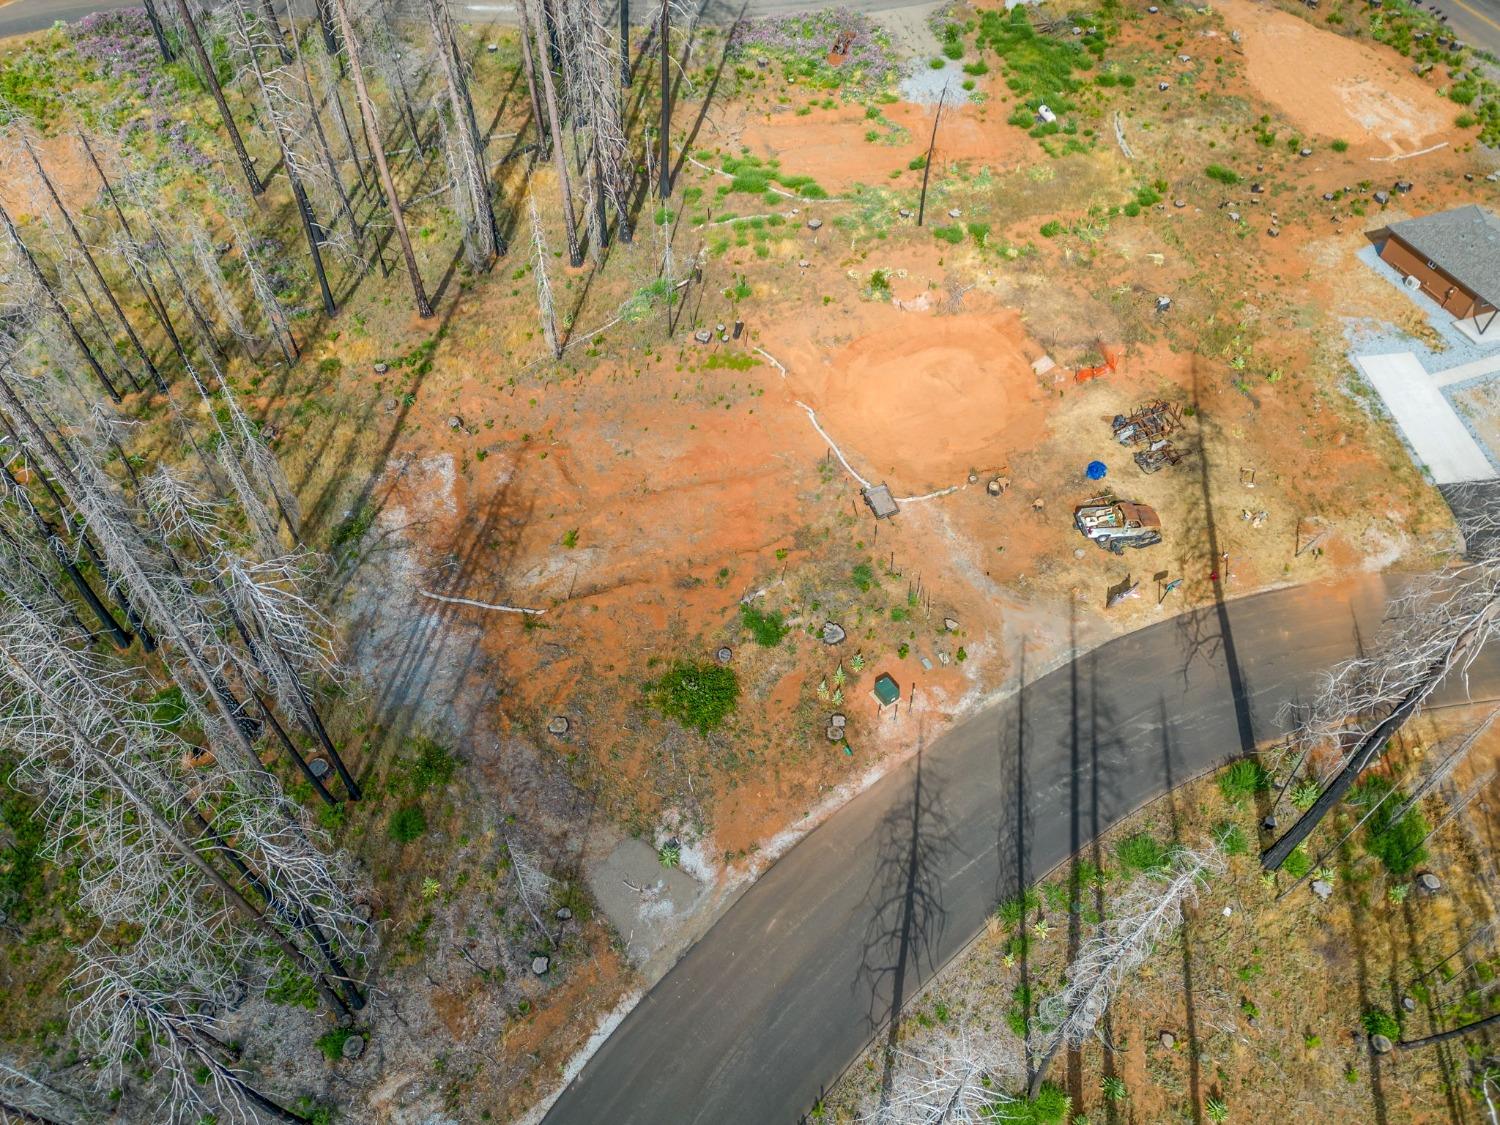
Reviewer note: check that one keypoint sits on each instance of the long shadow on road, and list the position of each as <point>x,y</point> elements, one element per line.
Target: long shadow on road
<point>788,986</point>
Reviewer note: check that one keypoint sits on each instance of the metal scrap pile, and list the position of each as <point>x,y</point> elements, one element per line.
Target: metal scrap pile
<point>1150,427</point>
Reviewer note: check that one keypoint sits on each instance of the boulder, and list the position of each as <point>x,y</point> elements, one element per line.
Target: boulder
<point>382,368</point>
<point>1273,232</point>
<point>1381,1045</point>
<point>703,335</point>
<point>563,914</point>
<point>1408,1004</point>
<point>833,634</point>
<point>1403,186</point>
<point>950,624</point>
<point>724,654</point>
<point>1179,203</point>
<point>558,725</point>
<point>954,213</point>
<point>1322,888</point>
<point>354,1046</point>
<point>1382,197</point>
<point>838,720</point>
<point>1428,883</point>
<point>540,964</point>
<point>455,422</point>
<point>1167,1040</point>
<point>814,224</point>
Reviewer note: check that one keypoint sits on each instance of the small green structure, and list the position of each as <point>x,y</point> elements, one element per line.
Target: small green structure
<point>886,689</point>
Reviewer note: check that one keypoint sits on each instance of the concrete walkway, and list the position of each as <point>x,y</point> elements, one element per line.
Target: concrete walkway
<point>1427,419</point>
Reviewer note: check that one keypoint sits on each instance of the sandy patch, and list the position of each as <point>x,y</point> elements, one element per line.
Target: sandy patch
<point>829,144</point>
<point>1332,86</point>
<point>21,191</point>
<point>923,400</point>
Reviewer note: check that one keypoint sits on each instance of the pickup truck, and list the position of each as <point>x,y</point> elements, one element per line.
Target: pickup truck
<point>1115,524</point>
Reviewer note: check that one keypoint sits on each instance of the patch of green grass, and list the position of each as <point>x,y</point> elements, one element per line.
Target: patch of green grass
<point>953,234</point>
<point>570,538</point>
<point>1339,145</point>
<point>1037,67</point>
<point>431,768</point>
<point>730,361</point>
<point>1051,1106</point>
<point>697,695</point>
<point>1141,852</point>
<point>332,1043</point>
<point>352,529</point>
<point>765,626</point>
<point>1231,839</point>
<point>863,577</point>
<point>1243,780</point>
<point>1299,863</point>
<point>1013,910</point>
<point>1051,229</point>
<point>168,707</point>
<point>292,988</point>
<point>1377,1021</point>
<point>1222,174</point>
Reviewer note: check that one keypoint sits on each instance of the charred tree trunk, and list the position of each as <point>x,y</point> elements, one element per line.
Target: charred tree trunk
<point>88,257</point>
<point>664,161</point>
<point>377,147</point>
<point>475,172</point>
<point>158,32</point>
<point>538,119</point>
<point>625,44</point>
<point>212,79</point>
<point>57,306</point>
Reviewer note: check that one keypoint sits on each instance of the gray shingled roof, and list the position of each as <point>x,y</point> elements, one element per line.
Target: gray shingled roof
<point>1465,242</point>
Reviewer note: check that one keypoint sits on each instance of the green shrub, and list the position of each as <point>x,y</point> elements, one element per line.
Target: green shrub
<point>1050,1107</point>
<point>1243,779</point>
<point>977,68</point>
<point>953,234</point>
<point>980,233</point>
<point>1141,852</point>
<point>1305,794</point>
<point>1051,229</point>
<point>766,627</point>
<point>432,767</point>
<point>917,163</point>
<point>863,577</point>
<point>937,63</point>
<point>700,696</point>
<point>1222,174</point>
<point>1377,1021</point>
<point>1339,145</point>
<point>1397,845</point>
<point>409,824</point>
<point>1113,1089</point>
<point>953,50</point>
<point>1013,910</point>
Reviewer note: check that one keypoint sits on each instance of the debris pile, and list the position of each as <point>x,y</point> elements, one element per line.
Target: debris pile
<point>1150,426</point>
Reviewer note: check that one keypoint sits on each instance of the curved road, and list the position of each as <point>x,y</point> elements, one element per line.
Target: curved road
<point>813,958</point>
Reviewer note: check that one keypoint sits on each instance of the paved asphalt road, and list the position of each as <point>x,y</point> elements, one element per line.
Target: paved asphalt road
<point>809,963</point>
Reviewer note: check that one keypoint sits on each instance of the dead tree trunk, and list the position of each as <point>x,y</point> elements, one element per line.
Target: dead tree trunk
<point>559,157</point>
<point>538,120</point>
<point>135,257</point>
<point>135,341</point>
<point>1451,1033</point>
<point>484,239</point>
<point>57,306</point>
<point>543,285</point>
<point>212,79</point>
<point>625,44</point>
<point>157,31</point>
<point>315,119</point>
<point>311,230</point>
<point>377,147</point>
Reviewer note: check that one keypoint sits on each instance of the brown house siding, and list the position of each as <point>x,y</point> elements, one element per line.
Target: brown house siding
<point>1447,292</point>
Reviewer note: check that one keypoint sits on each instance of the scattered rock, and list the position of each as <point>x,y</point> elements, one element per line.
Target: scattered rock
<point>1304,152</point>
<point>559,725</point>
<point>1179,203</point>
<point>804,263</point>
<point>993,488</point>
<point>1163,303</point>
<point>354,1046</point>
<point>1153,9</point>
<point>950,624</point>
<point>1167,1040</point>
<point>1322,888</point>
<point>1234,216</point>
<point>1408,1004</point>
<point>839,720</point>
<point>814,224</point>
<point>1382,197</point>
<point>1256,189</point>
<point>833,634</point>
<point>1328,197</point>
<point>834,734</point>
<point>1274,232</point>
<point>363,912</point>
<point>1381,1045</point>
<point>1078,552</point>
<point>1428,883</point>
<point>1269,824</point>
<point>720,328</point>
<point>540,964</point>
<point>1403,186</point>
<point>319,767</point>
<point>703,335</point>
<point>563,914</point>
<point>389,404</point>
<point>382,368</point>
<point>954,213</point>
<point>224,247</point>
<point>492,47</point>
<point>1164,86</point>
<point>724,655</point>
<point>905,212</point>
<point>455,422</point>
